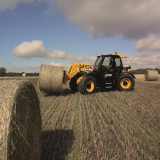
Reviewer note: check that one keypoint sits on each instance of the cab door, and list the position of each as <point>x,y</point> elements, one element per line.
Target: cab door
<point>106,71</point>
<point>118,65</point>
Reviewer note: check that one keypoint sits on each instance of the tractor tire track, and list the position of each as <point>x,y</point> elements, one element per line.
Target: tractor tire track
<point>86,142</point>
<point>92,124</point>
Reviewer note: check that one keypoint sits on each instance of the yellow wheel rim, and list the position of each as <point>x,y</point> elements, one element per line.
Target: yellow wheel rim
<point>89,86</point>
<point>125,83</point>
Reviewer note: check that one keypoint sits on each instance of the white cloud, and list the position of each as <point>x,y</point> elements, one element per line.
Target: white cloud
<point>56,64</point>
<point>141,60</point>
<point>144,60</point>
<point>107,18</point>
<point>60,65</point>
<point>59,55</point>
<point>149,43</point>
<point>36,49</point>
<point>11,4</point>
<point>30,49</point>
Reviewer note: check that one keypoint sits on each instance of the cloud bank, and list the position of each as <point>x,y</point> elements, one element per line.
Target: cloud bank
<point>11,4</point>
<point>107,18</point>
<point>36,49</point>
<point>146,58</point>
<point>149,43</point>
<point>104,18</point>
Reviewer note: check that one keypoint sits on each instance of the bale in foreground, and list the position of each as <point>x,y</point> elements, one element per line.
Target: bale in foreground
<point>51,78</point>
<point>151,75</point>
<point>20,121</point>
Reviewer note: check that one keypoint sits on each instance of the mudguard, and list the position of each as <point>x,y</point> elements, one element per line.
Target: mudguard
<point>130,74</point>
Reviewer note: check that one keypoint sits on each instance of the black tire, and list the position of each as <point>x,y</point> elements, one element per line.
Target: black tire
<point>73,83</point>
<point>125,83</point>
<point>87,85</point>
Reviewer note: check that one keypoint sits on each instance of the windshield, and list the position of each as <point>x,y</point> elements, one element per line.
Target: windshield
<point>97,63</point>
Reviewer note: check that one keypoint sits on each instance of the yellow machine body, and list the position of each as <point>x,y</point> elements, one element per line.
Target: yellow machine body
<point>75,68</point>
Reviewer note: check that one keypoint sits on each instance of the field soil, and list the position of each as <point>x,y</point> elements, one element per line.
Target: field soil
<point>108,124</point>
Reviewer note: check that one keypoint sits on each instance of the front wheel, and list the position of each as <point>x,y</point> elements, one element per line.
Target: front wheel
<point>87,85</point>
<point>73,83</point>
<point>125,83</point>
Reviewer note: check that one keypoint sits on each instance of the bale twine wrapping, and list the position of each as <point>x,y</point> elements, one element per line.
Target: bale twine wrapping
<point>24,74</point>
<point>20,121</point>
<point>151,75</point>
<point>51,78</point>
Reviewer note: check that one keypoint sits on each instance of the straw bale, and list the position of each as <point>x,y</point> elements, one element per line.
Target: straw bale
<point>20,121</point>
<point>24,74</point>
<point>51,78</point>
<point>151,75</point>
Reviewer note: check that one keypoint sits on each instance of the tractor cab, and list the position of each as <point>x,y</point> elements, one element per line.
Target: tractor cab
<point>108,66</point>
<point>108,69</point>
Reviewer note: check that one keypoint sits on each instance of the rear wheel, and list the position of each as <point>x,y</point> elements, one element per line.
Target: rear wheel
<point>125,83</point>
<point>87,85</point>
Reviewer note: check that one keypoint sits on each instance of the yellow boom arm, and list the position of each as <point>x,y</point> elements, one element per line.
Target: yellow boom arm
<point>74,68</point>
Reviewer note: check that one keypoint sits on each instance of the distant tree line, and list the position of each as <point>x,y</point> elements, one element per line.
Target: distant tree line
<point>14,74</point>
<point>2,72</point>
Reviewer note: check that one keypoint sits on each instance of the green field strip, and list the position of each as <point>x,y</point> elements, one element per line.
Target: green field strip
<point>50,105</point>
<point>139,106</point>
<point>75,152</point>
<point>132,114</point>
<point>87,141</point>
<point>115,118</point>
<point>99,128</point>
<point>93,131</point>
<point>133,123</point>
<point>111,140</point>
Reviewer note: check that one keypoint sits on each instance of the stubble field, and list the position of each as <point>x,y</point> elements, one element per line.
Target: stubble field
<point>106,125</point>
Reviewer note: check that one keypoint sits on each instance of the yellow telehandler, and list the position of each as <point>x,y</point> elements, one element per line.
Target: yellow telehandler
<point>108,70</point>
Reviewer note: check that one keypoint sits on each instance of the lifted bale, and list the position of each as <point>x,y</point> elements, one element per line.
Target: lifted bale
<point>51,78</point>
<point>20,121</point>
<point>151,75</point>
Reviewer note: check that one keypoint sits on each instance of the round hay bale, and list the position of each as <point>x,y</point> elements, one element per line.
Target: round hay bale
<point>20,121</point>
<point>151,75</point>
<point>24,74</point>
<point>51,78</point>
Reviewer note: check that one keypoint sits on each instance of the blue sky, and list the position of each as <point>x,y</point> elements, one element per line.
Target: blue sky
<point>58,32</point>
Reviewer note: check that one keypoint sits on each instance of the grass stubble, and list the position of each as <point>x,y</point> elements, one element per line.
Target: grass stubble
<point>105,125</point>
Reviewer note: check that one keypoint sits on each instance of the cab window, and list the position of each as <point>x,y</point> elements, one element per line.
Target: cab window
<point>106,61</point>
<point>118,62</point>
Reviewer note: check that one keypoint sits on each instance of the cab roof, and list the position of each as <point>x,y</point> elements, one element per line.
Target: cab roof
<point>114,55</point>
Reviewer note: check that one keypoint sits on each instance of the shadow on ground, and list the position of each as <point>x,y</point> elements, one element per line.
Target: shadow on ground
<point>68,91</point>
<point>65,92</point>
<point>111,90</point>
<point>56,144</point>
<point>105,89</point>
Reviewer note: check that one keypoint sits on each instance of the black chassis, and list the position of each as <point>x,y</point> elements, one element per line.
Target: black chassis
<point>98,74</point>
